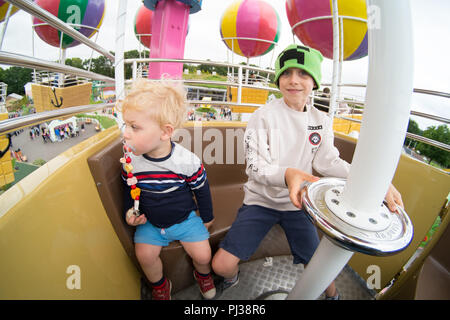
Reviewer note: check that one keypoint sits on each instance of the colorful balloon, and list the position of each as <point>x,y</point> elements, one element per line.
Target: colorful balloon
<point>254,19</point>
<point>4,9</point>
<point>87,13</point>
<point>143,25</point>
<point>318,34</point>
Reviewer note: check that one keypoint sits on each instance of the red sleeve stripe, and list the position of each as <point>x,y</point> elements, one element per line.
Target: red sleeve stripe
<point>158,176</point>
<point>199,172</point>
<point>154,175</point>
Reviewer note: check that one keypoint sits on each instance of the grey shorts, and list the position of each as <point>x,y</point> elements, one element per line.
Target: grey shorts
<point>253,222</point>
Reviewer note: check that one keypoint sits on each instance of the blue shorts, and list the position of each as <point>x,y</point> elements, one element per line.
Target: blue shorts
<point>190,230</point>
<point>254,222</point>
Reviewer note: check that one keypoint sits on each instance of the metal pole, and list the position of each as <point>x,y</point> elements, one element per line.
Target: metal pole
<point>341,61</point>
<point>389,91</point>
<point>336,62</point>
<point>5,25</point>
<point>119,73</point>
<point>326,251</point>
<point>239,93</point>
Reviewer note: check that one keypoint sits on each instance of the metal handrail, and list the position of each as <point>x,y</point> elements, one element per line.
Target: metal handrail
<point>432,92</point>
<point>431,142</point>
<point>416,90</point>
<point>219,83</point>
<point>34,63</point>
<point>44,15</point>
<point>413,113</point>
<point>192,61</point>
<point>20,60</point>
<point>430,116</point>
<point>225,103</point>
<point>13,124</point>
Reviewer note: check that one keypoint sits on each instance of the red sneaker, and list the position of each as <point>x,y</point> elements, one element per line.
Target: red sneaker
<point>162,292</point>
<point>206,285</point>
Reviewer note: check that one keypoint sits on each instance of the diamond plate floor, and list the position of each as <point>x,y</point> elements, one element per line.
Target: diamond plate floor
<point>260,276</point>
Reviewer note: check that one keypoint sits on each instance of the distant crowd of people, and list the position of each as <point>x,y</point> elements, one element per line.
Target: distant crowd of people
<point>224,114</point>
<point>67,131</point>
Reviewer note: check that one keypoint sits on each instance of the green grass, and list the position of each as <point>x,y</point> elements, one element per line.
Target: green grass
<point>105,122</point>
<point>23,169</point>
<point>210,77</point>
<point>206,77</point>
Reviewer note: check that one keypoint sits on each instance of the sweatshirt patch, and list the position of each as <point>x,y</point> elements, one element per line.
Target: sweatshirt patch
<point>315,138</point>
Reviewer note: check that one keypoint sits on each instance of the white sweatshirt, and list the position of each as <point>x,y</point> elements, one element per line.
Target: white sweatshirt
<point>278,137</point>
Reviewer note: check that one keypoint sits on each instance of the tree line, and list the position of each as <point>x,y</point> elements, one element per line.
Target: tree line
<point>105,67</point>
<point>438,133</point>
<point>17,77</point>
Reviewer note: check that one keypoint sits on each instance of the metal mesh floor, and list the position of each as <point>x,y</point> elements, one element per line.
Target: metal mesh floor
<point>259,276</point>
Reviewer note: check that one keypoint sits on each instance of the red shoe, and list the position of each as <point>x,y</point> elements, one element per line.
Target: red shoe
<point>162,292</point>
<point>206,285</point>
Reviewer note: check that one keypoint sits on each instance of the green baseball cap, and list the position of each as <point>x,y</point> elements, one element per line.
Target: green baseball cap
<point>296,56</point>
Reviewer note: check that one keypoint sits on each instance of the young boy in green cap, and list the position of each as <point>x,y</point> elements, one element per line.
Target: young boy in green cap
<point>284,141</point>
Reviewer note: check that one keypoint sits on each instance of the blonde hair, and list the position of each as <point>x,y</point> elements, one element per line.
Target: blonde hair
<point>164,100</point>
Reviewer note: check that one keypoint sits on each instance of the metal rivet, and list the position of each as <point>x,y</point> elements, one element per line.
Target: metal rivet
<point>335,201</point>
<point>384,215</point>
<point>335,191</point>
<point>371,220</point>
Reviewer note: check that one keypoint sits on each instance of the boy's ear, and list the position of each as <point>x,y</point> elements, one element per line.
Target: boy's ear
<point>168,130</point>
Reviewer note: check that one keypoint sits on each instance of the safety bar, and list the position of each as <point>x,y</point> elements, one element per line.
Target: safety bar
<point>212,63</point>
<point>416,90</point>
<point>13,124</point>
<point>34,63</point>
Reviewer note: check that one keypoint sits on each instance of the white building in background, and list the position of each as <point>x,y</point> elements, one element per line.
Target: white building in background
<point>28,90</point>
<point>61,123</point>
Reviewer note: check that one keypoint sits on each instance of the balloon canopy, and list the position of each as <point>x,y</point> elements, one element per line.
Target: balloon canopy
<point>143,25</point>
<point>254,19</point>
<point>84,15</point>
<point>194,5</point>
<point>318,34</point>
<point>4,9</point>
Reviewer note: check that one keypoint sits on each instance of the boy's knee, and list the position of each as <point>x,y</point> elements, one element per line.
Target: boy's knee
<point>223,263</point>
<point>202,258</point>
<point>146,256</point>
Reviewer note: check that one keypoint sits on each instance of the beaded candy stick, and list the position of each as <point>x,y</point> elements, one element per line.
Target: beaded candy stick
<point>131,179</point>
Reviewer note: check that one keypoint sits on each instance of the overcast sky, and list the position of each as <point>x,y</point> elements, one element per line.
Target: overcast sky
<point>431,29</point>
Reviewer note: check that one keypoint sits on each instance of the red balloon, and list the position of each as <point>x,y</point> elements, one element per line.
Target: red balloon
<point>143,25</point>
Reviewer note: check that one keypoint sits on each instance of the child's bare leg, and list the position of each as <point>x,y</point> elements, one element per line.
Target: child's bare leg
<point>200,252</point>
<point>148,257</point>
<point>225,264</point>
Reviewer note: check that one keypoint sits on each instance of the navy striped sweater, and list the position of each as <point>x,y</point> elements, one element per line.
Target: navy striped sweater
<point>168,185</point>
